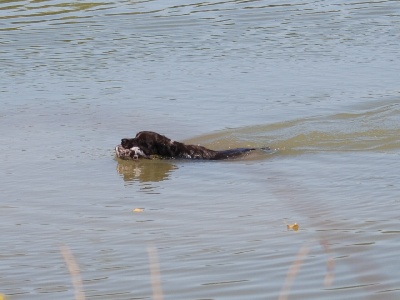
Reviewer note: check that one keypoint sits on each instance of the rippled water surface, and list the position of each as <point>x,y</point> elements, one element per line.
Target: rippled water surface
<point>316,81</point>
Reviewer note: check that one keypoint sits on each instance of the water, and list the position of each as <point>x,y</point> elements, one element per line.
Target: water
<point>316,81</point>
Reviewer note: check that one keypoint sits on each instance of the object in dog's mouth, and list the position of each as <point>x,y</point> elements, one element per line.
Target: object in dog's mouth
<point>132,153</point>
<point>149,145</point>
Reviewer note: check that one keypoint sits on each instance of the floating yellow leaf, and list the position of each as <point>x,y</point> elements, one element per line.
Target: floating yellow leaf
<point>293,227</point>
<point>3,297</point>
<point>135,210</point>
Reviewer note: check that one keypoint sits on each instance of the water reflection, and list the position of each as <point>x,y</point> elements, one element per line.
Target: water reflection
<point>145,170</point>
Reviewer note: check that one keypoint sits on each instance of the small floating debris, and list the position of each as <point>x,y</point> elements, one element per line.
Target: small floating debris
<point>293,227</point>
<point>138,209</point>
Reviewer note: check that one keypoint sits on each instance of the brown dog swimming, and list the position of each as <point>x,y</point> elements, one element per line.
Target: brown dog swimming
<point>148,144</point>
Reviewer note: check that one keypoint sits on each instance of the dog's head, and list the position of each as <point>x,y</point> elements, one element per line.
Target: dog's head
<point>142,146</point>
<point>130,149</point>
<point>147,144</point>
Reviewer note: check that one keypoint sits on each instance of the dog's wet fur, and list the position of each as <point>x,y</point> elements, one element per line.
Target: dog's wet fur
<point>149,145</point>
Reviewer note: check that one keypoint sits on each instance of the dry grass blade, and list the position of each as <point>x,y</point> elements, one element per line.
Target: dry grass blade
<point>292,272</point>
<point>330,265</point>
<point>73,269</point>
<point>155,274</point>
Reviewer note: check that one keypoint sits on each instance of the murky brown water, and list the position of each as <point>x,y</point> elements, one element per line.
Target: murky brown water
<point>317,81</point>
